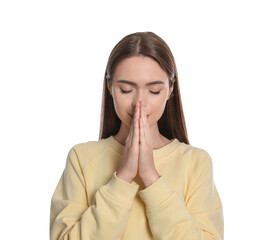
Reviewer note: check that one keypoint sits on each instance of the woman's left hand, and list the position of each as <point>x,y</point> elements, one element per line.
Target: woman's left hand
<point>146,166</point>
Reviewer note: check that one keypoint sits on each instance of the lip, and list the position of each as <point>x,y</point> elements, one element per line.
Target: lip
<point>133,116</point>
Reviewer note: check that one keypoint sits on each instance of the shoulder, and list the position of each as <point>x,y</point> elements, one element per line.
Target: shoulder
<point>195,156</point>
<point>87,151</point>
<point>197,161</point>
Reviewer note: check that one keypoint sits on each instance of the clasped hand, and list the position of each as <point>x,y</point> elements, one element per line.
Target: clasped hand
<point>138,151</point>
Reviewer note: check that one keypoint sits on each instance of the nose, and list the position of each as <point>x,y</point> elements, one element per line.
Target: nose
<point>139,98</point>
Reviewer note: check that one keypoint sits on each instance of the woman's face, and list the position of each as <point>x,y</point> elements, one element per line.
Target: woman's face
<point>139,78</point>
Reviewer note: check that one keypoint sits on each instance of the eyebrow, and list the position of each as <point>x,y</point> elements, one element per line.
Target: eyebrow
<point>147,84</point>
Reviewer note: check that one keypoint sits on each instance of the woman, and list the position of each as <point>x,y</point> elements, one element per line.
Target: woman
<point>142,179</point>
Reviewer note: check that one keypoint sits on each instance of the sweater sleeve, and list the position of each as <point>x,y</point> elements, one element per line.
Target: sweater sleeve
<point>71,217</point>
<point>170,216</point>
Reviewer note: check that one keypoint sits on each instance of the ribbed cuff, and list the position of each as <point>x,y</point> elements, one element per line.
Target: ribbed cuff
<point>121,190</point>
<point>156,193</point>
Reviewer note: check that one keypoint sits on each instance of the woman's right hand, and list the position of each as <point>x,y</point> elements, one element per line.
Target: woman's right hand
<point>129,165</point>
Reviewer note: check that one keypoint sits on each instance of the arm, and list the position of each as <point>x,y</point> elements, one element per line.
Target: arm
<point>199,217</point>
<point>72,218</point>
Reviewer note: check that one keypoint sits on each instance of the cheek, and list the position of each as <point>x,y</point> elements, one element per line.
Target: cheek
<point>121,106</point>
<point>157,108</point>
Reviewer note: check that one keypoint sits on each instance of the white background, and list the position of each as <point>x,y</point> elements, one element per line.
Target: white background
<point>53,56</point>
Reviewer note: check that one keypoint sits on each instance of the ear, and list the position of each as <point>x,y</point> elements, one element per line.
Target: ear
<point>109,86</point>
<point>171,89</point>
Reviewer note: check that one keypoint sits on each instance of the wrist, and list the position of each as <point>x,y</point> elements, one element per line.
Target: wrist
<point>124,177</point>
<point>150,179</point>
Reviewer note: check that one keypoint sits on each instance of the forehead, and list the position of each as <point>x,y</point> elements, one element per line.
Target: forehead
<point>140,70</point>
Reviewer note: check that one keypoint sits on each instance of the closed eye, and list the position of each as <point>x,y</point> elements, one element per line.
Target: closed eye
<point>123,91</point>
<point>155,92</point>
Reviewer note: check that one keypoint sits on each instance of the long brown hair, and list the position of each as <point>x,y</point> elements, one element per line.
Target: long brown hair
<point>171,124</point>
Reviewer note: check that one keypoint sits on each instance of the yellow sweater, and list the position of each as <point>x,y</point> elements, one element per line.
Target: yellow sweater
<point>91,203</point>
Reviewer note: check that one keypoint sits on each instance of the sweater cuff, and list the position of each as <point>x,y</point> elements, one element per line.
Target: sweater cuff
<point>156,193</point>
<point>121,190</point>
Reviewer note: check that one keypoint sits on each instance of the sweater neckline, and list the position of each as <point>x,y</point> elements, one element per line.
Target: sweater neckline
<point>157,153</point>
